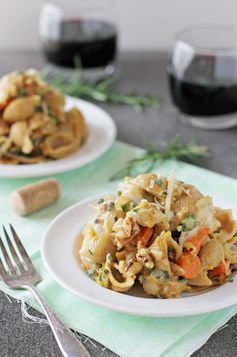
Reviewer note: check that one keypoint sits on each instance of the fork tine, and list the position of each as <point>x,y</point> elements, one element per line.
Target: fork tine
<point>20,246</point>
<point>13,251</point>
<point>3,272</point>
<point>6,257</point>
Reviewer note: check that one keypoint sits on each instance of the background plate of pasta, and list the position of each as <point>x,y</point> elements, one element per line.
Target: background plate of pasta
<point>156,247</point>
<point>43,132</point>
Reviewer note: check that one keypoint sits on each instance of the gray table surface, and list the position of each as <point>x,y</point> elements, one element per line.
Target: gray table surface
<point>146,73</point>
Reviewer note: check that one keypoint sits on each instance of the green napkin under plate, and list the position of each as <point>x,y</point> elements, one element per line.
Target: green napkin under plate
<point>159,337</point>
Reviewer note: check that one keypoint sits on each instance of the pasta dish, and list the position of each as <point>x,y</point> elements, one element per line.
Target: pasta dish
<point>161,233</point>
<point>34,126</point>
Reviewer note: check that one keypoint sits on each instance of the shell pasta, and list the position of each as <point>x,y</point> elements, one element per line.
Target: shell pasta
<point>34,126</point>
<point>162,233</point>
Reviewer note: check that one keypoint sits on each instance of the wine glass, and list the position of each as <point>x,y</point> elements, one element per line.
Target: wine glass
<point>83,30</point>
<point>202,74</point>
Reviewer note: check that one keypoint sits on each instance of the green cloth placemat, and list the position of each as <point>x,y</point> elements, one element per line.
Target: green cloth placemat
<point>166,337</point>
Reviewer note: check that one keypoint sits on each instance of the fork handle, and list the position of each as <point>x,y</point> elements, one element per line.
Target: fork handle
<point>68,343</point>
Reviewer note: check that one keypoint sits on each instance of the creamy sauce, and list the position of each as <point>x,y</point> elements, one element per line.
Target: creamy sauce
<point>77,247</point>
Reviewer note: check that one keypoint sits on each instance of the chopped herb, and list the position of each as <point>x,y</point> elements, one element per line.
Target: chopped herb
<point>110,206</point>
<point>90,273</point>
<point>160,273</point>
<point>189,223</point>
<point>115,218</point>
<point>159,182</point>
<point>95,90</point>
<point>22,92</point>
<point>102,278</point>
<point>101,200</point>
<point>126,206</point>
<point>164,275</point>
<point>90,251</point>
<point>119,193</point>
<point>231,279</point>
<point>136,210</point>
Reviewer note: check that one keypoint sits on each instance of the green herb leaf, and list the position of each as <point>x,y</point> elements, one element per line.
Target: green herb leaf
<point>99,91</point>
<point>175,150</point>
<point>159,273</point>
<point>189,223</point>
<point>101,200</point>
<point>110,206</point>
<point>126,206</point>
<point>159,182</point>
<point>102,277</point>
<point>22,92</point>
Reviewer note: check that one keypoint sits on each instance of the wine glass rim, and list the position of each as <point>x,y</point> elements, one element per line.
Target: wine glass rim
<point>231,29</point>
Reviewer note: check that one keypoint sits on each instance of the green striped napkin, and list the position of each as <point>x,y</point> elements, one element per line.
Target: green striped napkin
<point>118,332</point>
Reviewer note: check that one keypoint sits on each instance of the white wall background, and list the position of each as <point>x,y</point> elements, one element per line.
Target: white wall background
<point>144,24</point>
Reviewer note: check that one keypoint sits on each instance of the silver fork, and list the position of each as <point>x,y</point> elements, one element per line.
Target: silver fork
<point>24,275</point>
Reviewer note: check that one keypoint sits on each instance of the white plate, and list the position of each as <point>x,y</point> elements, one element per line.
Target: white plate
<point>102,133</point>
<point>58,248</point>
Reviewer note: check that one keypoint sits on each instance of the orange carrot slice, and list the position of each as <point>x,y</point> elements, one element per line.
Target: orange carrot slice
<point>190,264</point>
<point>222,268</point>
<point>144,235</point>
<point>198,238</point>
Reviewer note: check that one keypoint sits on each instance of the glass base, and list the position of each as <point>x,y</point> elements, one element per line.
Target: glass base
<point>210,123</point>
<point>88,74</point>
<point>99,72</point>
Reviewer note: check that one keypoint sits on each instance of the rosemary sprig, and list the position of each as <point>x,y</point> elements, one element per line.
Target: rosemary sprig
<point>174,150</point>
<point>99,91</point>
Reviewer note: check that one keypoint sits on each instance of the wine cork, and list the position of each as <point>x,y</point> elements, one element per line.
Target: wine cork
<point>33,197</point>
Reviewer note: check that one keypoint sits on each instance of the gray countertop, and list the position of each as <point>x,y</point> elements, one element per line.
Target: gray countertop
<point>146,73</point>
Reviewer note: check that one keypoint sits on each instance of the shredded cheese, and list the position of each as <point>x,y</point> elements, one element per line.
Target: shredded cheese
<point>152,183</point>
<point>186,191</point>
<point>157,204</point>
<point>171,181</point>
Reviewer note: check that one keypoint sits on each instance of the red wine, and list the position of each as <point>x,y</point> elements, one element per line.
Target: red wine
<point>209,99</point>
<point>93,41</point>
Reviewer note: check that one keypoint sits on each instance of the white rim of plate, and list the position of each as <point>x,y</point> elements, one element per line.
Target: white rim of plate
<point>184,306</point>
<point>77,159</point>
